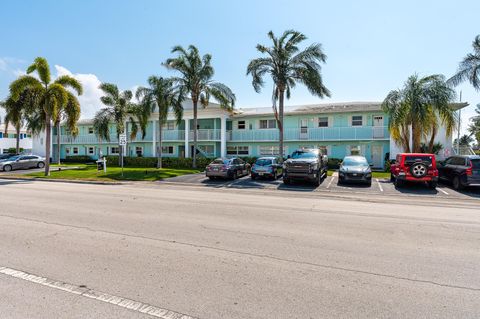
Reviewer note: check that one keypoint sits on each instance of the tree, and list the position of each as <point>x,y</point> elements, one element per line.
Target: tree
<point>474,127</point>
<point>163,95</point>
<point>119,108</point>
<point>70,112</point>
<point>469,68</point>
<point>50,97</point>
<point>465,140</point>
<point>287,65</point>
<point>419,106</point>
<point>195,78</point>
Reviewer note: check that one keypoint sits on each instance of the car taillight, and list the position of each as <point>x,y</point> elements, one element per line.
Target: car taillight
<point>470,169</point>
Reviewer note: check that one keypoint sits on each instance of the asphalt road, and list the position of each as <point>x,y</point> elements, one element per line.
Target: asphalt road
<point>227,252</point>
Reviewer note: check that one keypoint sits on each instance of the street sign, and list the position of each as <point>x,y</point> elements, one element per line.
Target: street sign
<point>122,139</point>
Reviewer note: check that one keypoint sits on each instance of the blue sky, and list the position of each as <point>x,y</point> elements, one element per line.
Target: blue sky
<point>372,46</point>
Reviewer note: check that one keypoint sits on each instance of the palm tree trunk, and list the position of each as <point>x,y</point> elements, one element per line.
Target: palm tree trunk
<point>431,143</point>
<point>120,151</point>
<point>48,138</point>
<point>17,146</point>
<point>58,142</point>
<point>195,124</point>
<point>159,150</point>
<point>280,123</point>
<point>416,135</point>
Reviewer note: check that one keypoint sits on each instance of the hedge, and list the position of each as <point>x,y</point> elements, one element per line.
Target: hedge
<point>334,163</point>
<point>78,159</point>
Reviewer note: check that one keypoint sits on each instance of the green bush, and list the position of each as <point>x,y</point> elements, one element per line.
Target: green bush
<point>334,163</point>
<point>167,162</point>
<point>78,159</point>
<point>13,150</point>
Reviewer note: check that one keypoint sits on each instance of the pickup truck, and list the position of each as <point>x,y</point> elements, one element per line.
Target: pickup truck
<point>305,164</point>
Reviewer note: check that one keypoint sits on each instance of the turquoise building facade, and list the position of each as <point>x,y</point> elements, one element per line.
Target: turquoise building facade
<point>338,129</point>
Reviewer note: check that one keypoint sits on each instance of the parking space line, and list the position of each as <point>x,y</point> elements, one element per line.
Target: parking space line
<point>442,191</point>
<point>379,185</point>
<point>331,180</point>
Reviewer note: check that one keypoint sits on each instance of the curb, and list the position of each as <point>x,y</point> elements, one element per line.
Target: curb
<point>60,180</point>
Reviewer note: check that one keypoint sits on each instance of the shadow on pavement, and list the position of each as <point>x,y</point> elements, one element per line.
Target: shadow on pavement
<point>416,189</point>
<point>471,191</point>
<point>18,181</point>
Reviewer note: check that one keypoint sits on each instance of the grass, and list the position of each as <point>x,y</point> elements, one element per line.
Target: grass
<point>89,172</point>
<point>374,174</point>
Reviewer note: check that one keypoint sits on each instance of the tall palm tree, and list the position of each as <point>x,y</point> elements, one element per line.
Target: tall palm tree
<point>50,96</point>
<point>119,108</point>
<point>195,78</point>
<point>474,127</point>
<point>419,105</point>
<point>70,112</point>
<point>469,68</point>
<point>162,95</point>
<point>287,65</point>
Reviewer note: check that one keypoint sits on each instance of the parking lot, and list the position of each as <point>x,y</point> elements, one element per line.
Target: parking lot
<point>329,184</point>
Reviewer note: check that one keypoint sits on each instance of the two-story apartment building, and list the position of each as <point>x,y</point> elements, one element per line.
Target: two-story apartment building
<point>339,129</point>
<point>8,140</point>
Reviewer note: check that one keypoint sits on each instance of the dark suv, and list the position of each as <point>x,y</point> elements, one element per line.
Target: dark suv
<point>414,167</point>
<point>461,171</point>
<point>305,164</point>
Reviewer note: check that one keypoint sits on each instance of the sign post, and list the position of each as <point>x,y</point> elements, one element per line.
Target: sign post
<point>122,141</point>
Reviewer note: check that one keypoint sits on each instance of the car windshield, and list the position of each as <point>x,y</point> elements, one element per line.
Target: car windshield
<point>476,163</point>
<point>263,162</point>
<point>355,161</point>
<point>304,154</point>
<point>221,161</point>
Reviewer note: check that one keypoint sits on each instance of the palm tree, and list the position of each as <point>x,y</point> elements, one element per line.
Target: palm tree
<point>474,127</point>
<point>162,95</point>
<point>419,105</point>
<point>119,108</point>
<point>70,112</point>
<point>469,68</point>
<point>50,96</point>
<point>195,78</point>
<point>287,65</point>
<point>465,140</point>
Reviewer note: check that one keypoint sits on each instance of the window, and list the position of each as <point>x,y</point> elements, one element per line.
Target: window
<point>237,150</point>
<point>75,150</point>
<point>67,151</point>
<point>355,150</point>
<point>139,151</point>
<point>323,121</point>
<point>167,149</point>
<point>170,126</point>
<point>241,125</point>
<point>1,134</point>
<point>114,150</point>
<point>91,150</point>
<point>266,124</point>
<point>357,120</point>
<point>90,130</point>
<point>270,150</point>
<point>460,161</point>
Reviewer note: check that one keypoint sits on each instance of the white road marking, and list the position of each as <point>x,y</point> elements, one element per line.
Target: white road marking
<point>331,180</point>
<point>442,190</point>
<point>97,295</point>
<point>379,186</point>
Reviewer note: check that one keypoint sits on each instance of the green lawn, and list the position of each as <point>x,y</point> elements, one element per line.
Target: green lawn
<point>89,172</point>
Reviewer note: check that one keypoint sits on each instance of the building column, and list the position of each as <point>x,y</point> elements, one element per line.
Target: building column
<point>187,133</point>
<point>223,136</point>
<point>154,138</point>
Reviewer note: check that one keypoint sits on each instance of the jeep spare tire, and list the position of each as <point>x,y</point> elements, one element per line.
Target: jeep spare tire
<point>418,170</point>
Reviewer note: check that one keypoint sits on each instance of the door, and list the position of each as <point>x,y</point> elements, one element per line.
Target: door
<point>21,163</point>
<point>303,128</point>
<point>378,131</point>
<point>377,156</point>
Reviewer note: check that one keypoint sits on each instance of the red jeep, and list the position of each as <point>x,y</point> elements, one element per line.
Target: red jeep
<point>414,167</point>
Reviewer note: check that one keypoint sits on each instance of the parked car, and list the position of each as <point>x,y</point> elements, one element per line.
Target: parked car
<point>22,162</point>
<point>355,169</point>
<point>271,167</point>
<point>305,164</point>
<point>6,156</point>
<point>461,171</point>
<point>227,168</point>
<point>414,167</point>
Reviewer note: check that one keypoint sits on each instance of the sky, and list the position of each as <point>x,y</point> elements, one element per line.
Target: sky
<point>372,46</point>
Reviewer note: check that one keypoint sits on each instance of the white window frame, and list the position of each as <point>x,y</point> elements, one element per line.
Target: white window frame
<point>92,130</point>
<point>139,148</point>
<point>114,153</point>
<point>271,150</point>
<point>361,149</point>
<point>75,150</point>
<point>323,117</point>
<point>268,122</point>
<point>92,148</point>
<point>352,120</point>
<point>168,147</point>
<point>241,123</point>
<point>67,151</point>
<point>235,150</point>
<point>170,125</point>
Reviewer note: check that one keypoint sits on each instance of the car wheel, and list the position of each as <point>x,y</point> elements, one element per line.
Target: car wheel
<point>211,178</point>
<point>253,177</point>
<point>340,181</point>
<point>369,183</point>
<point>432,185</point>
<point>456,183</point>
<point>41,165</point>
<point>275,176</point>
<point>398,183</point>
<point>235,175</point>
<point>7,168</point>
<point>317,181</point>
<point>392,178</point>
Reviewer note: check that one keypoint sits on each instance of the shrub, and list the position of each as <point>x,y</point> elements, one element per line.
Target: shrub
<point>78,159</point>
<point>13,150</point>
<point>334,163</point>
<point>167,162</point>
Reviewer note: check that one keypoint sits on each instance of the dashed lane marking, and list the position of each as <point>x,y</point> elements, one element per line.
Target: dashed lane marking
<point>330,183</point>
<point>442,190</point>
<point>96,295</point>
<point>379,185</point>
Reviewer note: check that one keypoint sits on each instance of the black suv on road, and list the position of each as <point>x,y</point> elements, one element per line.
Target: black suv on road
<point>461,171</point>
<point>305,164</point>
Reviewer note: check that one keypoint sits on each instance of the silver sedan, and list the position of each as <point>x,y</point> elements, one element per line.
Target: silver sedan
<point>22,162</point>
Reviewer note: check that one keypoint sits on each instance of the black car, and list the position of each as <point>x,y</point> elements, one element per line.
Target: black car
<point>460,170</point>
<point>305,164</point>
<point>355,169</point>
